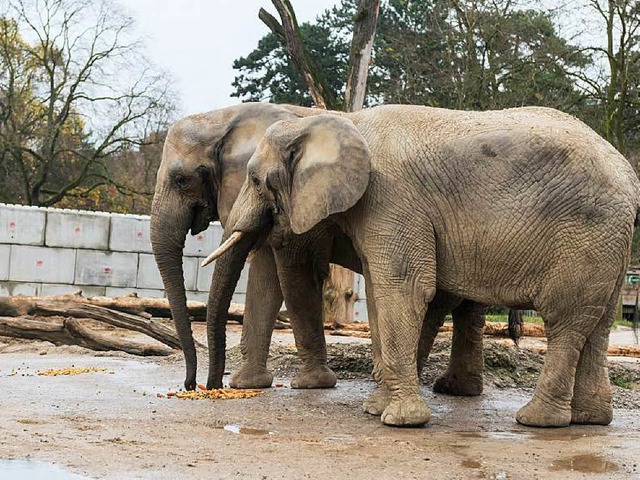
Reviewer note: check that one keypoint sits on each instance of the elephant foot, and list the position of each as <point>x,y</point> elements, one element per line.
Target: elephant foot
<point>410,411</point>
<point>190,384</point>
<point>317,377</point>
<point>251,377</point>
<point>594,410</point>
<point>452,384</point>
<point>377,401</point>
<point>537,413</point>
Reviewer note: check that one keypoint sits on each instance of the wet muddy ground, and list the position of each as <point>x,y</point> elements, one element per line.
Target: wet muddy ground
<point>120,424</point>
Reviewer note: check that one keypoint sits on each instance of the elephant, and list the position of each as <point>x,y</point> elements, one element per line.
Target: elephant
<point>525,207</point>
<point>202,170</point>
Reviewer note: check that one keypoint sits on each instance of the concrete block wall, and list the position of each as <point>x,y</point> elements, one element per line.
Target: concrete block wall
<point>47,251</point>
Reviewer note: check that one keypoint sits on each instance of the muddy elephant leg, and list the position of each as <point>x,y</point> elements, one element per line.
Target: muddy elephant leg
<point>381,396</point>
<point>264,299</point>
<point>567,332</point>
<point>592,397</point>
<point>464,374</point>
<point>399,327</point>
<point>303,297</point>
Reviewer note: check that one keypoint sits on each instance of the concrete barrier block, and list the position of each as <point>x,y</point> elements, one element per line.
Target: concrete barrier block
<point>360,311</point>
<point>47,289</point>
<point>203,243</point>
<point>77,230</point>
<point>360,287</point>
<point>5,256</point>
<point>22,225</point>
<point>8,289</point>
<point>204,277</point>
<point>198,296</point>
<point>111,269</point>
<point>129,234</point>
<point>149,275</point>
<point>241,287</point>
<point>41,264</point>
<point>239,298</point>
<point>114,292</point>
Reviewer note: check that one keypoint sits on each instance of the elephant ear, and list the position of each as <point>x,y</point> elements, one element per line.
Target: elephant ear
<point>330,170</point>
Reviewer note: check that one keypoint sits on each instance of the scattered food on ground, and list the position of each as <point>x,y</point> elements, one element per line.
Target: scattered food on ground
<point>215,394</point>
<point>54,372</point>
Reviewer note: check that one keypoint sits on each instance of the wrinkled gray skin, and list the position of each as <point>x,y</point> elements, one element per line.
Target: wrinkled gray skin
<point>202,170</point>
<point>526,207</point>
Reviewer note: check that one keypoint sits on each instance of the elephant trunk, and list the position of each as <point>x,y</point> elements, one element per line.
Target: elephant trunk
<point>225,278</point>
<point>169,228</point>
<point>251,218</point>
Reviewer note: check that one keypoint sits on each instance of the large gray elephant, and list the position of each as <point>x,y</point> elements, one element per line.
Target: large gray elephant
<point>203,167</point>
<point>525,207</point>
<point>202,170</point>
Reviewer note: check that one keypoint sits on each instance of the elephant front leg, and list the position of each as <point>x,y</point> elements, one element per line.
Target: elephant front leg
<point>303,297</point>
<point>399,326</point>
<point>264,299</point>
<point>464,374</point>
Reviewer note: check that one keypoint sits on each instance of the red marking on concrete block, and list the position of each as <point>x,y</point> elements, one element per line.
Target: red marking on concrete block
<point>39,263</point>
<point>12,225</point>
<point>107,270</point>
<point>77,230</point>
<point>199,238</point>
<point>139,235</point>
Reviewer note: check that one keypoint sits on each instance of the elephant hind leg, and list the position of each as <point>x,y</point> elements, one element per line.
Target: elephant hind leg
<point>567,332</point>
<point>592,397</point>
<point>464,374</point>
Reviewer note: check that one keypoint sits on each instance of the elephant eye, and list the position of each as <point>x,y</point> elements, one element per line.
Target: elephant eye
<point>180,181</point>
<point>255,180</point>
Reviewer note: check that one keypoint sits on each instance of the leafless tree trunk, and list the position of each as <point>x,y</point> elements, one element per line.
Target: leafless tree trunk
<point>339,296</point>
<point>364,33</point>
<point>289,35</point>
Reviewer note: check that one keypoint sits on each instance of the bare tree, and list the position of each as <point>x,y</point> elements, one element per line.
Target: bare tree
<point>338,288</point>
<point>75,90</point>
<point>621,19</point>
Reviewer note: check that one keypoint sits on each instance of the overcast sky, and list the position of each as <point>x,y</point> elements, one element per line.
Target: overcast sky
<point>197,41</point>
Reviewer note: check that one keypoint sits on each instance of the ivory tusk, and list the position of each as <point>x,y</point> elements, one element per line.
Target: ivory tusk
<point>230,242</point>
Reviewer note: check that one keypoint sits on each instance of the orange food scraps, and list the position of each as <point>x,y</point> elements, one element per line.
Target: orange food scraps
<point>54,372</point>
<point>216,394</point>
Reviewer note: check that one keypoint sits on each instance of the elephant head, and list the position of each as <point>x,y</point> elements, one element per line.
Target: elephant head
<point>202,170</point>
<point>303,171</point>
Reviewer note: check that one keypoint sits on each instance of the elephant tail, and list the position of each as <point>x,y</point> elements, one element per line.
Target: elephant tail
<point>515,325</point>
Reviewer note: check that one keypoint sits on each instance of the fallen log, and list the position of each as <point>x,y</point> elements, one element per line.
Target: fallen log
<point>349,327</point>
<point>72,331</point>
<point>632,351</point>
<point>501,329</point>
<point>117,319</point>
<point>132,304</point>
<point>495,329</point>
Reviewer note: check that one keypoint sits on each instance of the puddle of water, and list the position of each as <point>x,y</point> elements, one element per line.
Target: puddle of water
<point>584,464</point>
<point>28,470</point>
<point>512,435</point>
<point>246,430</point>
<point>468,463</point>
<point>556,435</point>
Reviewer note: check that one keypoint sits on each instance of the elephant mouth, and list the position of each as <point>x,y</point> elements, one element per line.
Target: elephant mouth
<point>202,216</point>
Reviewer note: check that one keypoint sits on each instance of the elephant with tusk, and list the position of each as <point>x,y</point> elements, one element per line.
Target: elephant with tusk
<point>523,207</point>
<point>202,172</point>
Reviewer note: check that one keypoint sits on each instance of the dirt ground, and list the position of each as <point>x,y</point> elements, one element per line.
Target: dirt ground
<point>120,423</point>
